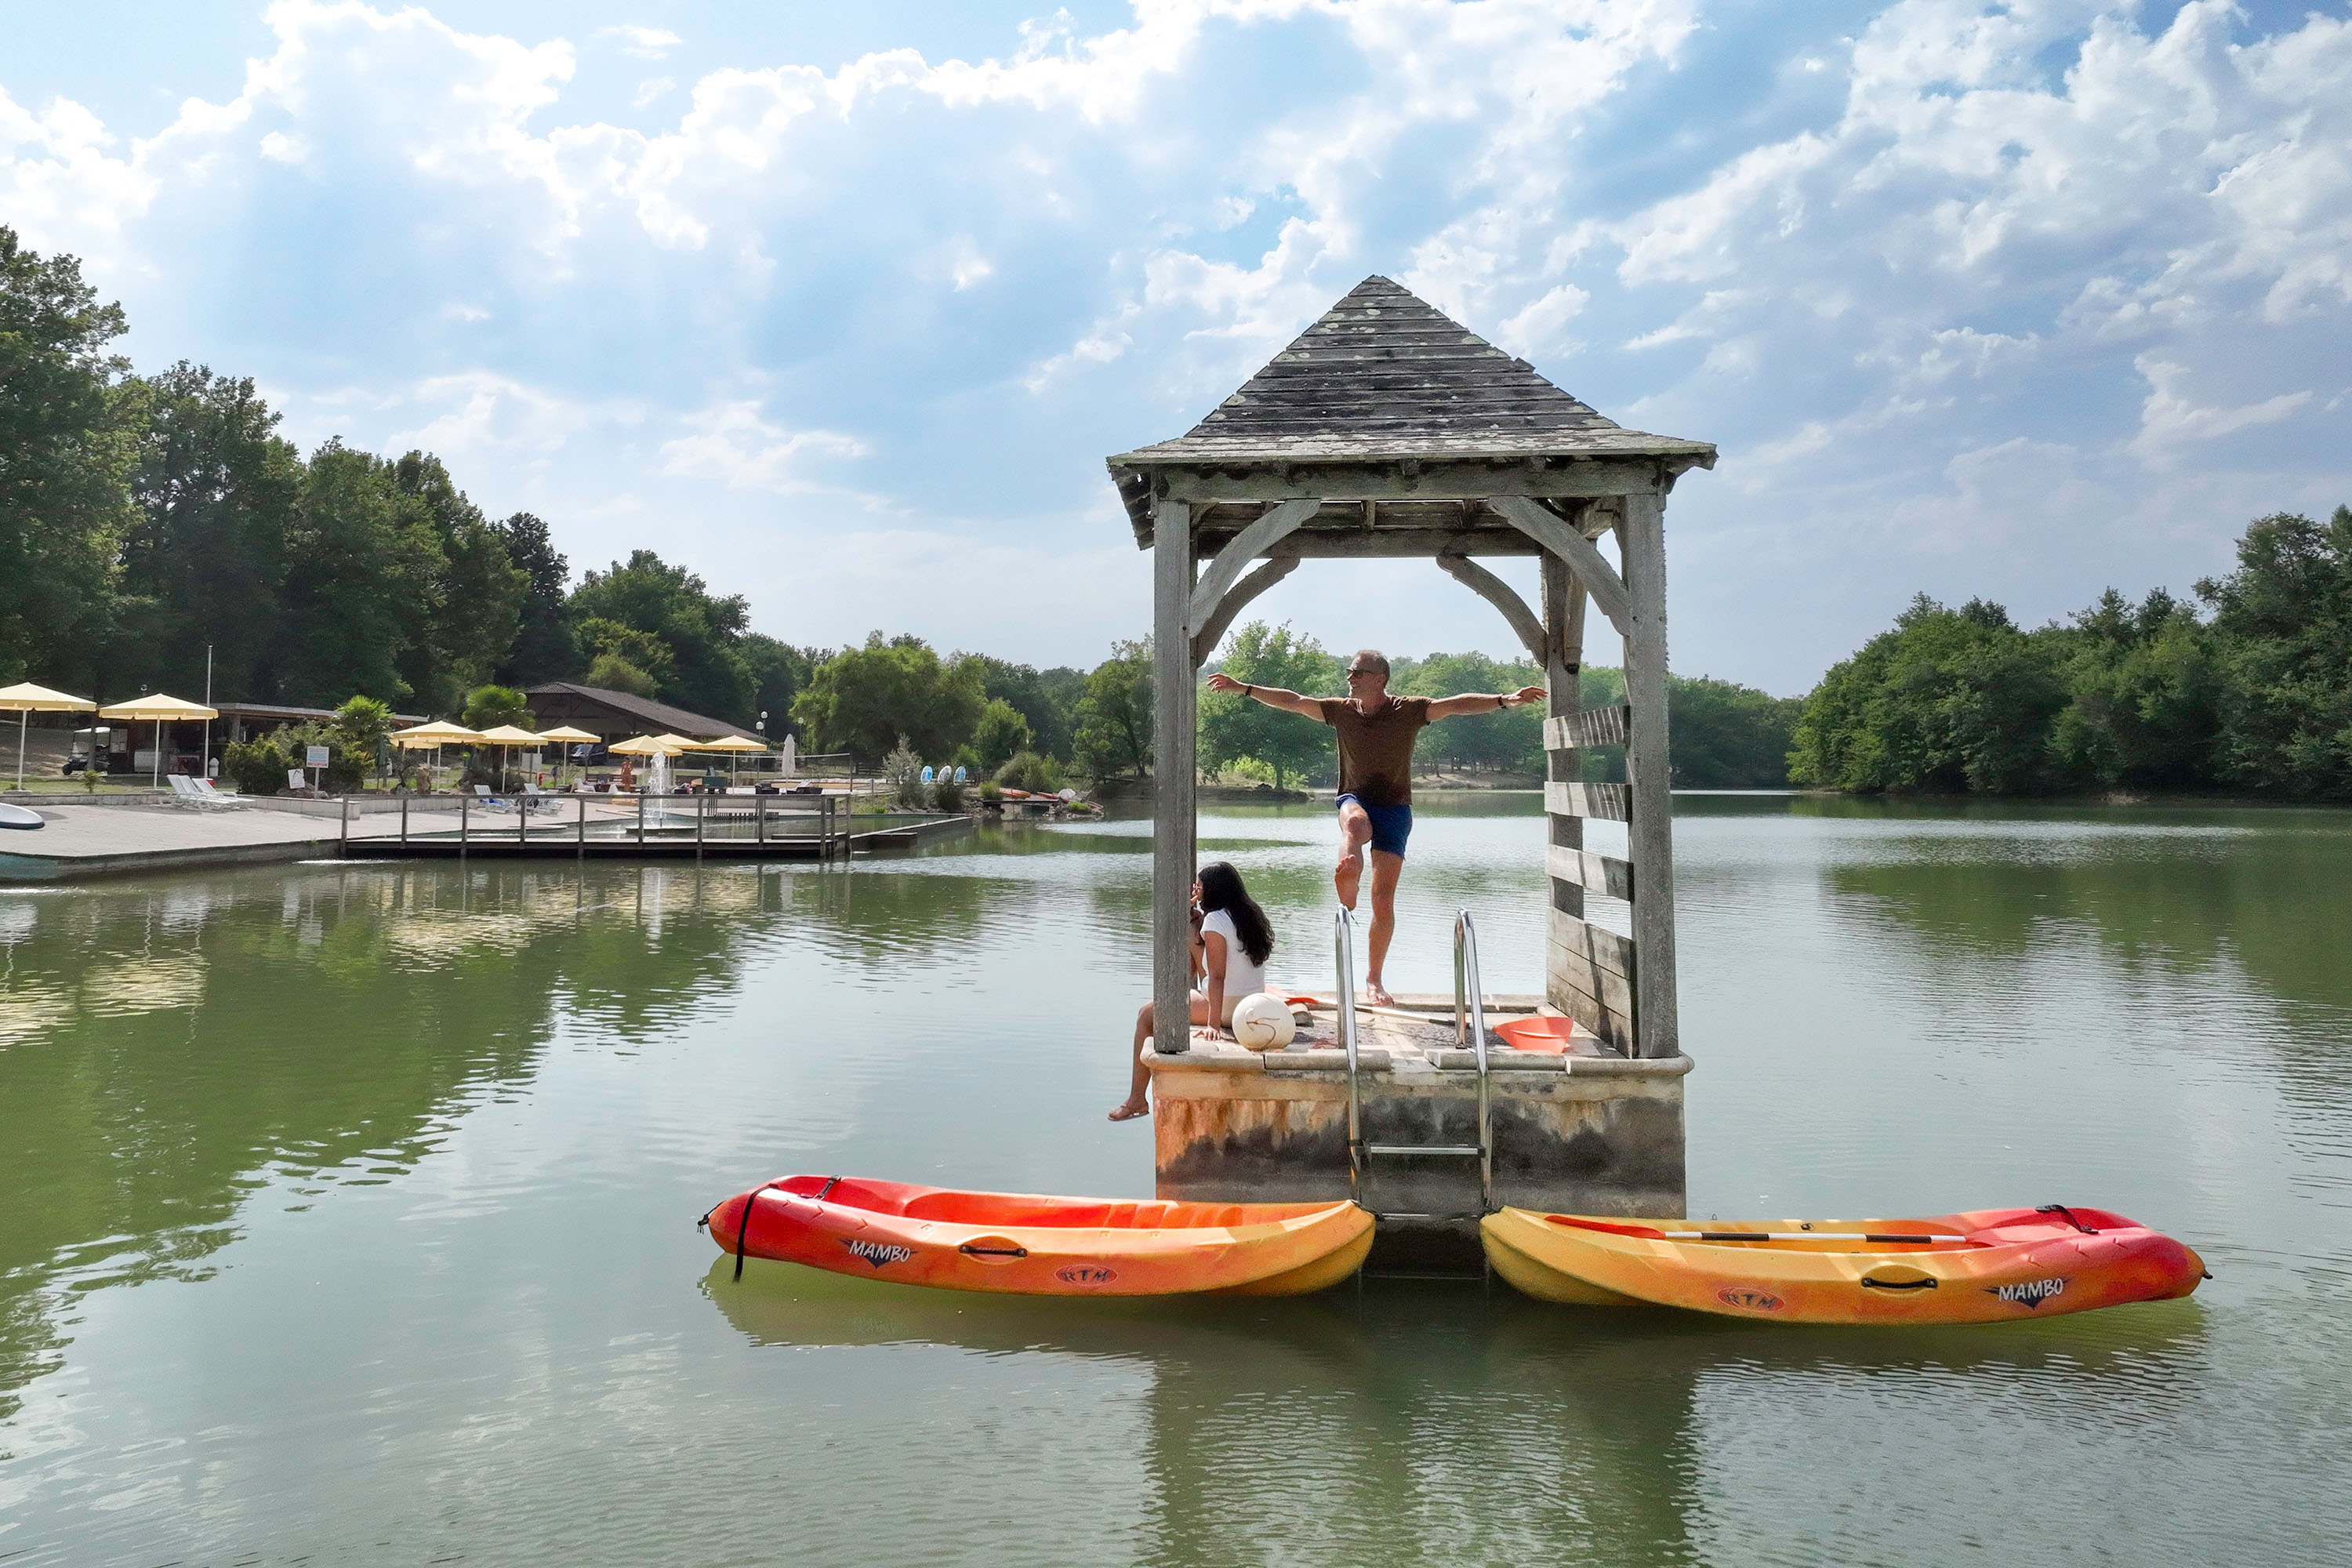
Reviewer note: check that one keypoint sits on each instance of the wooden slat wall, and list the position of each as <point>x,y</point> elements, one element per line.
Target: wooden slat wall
<point>1589,972</point>
<point>1595,873</point>
<point>1592,727</point>
<point>1607,801</point>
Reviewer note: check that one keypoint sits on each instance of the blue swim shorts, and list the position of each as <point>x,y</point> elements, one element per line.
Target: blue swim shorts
<point>1391,825</point>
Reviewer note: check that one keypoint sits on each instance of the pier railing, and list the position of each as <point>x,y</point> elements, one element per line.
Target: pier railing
<point>588,820</point>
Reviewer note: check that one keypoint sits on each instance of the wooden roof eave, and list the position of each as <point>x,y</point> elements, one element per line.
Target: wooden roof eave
<point>1634,463</point>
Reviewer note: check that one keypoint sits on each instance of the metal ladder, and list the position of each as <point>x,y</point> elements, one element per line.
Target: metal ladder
<point>1466,972</point>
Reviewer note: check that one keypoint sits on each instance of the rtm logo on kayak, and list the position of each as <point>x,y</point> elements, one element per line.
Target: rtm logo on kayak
<point>2029,1292</point>
<point>1747,1299</point>
<point>878,1253</point>
<point>1086,1274</point>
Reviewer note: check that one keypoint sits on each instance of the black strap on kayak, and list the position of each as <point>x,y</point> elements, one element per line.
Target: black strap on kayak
<point>2068,1215</point>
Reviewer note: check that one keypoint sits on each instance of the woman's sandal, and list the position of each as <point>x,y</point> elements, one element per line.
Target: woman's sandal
<point>1125,1112</point>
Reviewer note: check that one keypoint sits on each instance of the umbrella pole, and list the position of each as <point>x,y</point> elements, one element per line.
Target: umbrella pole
<point>155,772</point>
<point>23,716</point>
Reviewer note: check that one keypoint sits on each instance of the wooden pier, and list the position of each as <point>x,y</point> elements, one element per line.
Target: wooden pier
<point>683,827</point>
<point>1389,430</point>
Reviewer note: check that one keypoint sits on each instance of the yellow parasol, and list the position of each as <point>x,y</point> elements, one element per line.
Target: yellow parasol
<point>26,699</point>
<point>437,733</point>
<point>567,735</point>
<point>161,709</point>
<point>649,746</point>
<point>506,737</point>
<point>734,744</point>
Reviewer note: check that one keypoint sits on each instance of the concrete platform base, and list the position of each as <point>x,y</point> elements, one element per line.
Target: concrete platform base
<point>1586,1133</point>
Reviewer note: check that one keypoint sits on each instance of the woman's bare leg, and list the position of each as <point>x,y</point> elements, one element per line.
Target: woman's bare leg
<point>1138,1103</point>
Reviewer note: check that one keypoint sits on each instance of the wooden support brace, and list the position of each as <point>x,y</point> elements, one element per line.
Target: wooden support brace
<point>1606,801</point>
<point>1237,598</point>
<point>1500,593</point>
<point>1173,739</point>
<point>1551,531</point>
<point>1247,545</point>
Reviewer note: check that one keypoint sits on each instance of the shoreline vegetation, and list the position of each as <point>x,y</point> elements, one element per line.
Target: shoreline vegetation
<point>145,518</point>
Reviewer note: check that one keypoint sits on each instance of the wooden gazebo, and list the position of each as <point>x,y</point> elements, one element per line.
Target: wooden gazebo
<point>1388,430</point>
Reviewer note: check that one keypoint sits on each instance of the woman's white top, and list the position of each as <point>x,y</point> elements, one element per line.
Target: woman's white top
<point>1241,976</point>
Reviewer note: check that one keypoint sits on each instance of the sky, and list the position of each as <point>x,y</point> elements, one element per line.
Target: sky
<point>842,306</point>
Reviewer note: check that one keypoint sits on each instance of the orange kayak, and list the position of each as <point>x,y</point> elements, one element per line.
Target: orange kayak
<point>1993,1266</point>
<point>1032,1245</point>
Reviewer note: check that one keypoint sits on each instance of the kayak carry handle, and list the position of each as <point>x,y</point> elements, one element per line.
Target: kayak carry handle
<point>1870,1284</point>
<point>2068,1215</point>
<point>974,1249</point>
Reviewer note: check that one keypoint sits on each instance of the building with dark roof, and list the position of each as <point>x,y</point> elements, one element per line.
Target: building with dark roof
<point>617,715</point>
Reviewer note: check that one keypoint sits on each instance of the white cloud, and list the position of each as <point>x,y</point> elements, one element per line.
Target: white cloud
<point>2169,418</point>
<point>641,43</point>
<point>733,446</point>
<point>2045,239</point>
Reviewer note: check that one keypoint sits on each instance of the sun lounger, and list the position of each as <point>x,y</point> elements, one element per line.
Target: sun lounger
<point>482,796</point>
<point>212,795</point>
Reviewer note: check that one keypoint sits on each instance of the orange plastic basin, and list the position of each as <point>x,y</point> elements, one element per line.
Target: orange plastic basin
<point>1543,1034</point>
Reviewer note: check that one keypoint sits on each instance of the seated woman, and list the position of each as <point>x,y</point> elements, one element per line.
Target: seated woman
<point>1232,942</point>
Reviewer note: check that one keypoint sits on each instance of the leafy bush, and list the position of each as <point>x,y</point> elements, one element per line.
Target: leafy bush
<point>256,766</point>
<point>946,794</point>
<point>904,769</point>
<point>1003,734</point>
<point>989,791</point>
<point>1039,775</point>
<point>488,706</point>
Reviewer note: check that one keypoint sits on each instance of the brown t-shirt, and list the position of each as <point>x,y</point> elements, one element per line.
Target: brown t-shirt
<point>1375,753</point>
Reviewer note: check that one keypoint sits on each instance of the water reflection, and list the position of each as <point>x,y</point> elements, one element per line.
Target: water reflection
<point>1411,1422</point>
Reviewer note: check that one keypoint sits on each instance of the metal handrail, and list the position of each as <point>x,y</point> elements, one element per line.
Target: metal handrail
<point>1466,978</point>
<point>1343,943</point>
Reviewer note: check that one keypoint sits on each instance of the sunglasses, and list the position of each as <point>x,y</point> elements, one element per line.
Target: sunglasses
<point>1358,674</point>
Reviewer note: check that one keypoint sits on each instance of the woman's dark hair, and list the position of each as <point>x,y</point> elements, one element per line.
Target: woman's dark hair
<point>1220,888</point>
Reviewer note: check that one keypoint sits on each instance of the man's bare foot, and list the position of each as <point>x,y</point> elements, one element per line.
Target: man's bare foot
<point>1378,995</point>
<point>1347,876</point>
<point>1129,1109</point>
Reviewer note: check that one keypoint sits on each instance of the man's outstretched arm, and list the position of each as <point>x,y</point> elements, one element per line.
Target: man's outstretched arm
<point>1483,701</point>
<point>1272,695</point>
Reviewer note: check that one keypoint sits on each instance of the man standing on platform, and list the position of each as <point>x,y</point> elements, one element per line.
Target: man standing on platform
<point>1376,734</point>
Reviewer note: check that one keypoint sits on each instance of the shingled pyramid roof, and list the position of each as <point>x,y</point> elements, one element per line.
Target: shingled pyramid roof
<point>1383,375</point>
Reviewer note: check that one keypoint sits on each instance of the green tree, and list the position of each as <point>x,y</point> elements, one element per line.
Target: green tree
<point>863,699</point>
<point>68,434</point>
<point>351,562</point>
<point>643,652</point>
<point>780,673</point>
<point>2144,694</point>
<point>702,631</point>
<point>462,618</point>
<point>1233,727</point>
<point>610,672</point>
<point>1047,698</point>
<point>360,728</point>
<point>1114,730</point>
<point>206,559</point>
<point>1947,701</point>
<point>2282,624</point>
<point>1001,734</point>
<point>1722,735</point>
<point>488,706</point>
<point>544,645</point>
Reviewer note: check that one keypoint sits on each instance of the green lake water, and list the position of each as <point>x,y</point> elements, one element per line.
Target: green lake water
<point>349,1213</point>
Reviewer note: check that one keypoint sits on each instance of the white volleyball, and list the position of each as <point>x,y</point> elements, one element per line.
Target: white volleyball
<point>1262,1023</point>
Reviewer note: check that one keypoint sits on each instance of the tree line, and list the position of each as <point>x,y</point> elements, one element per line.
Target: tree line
<point>2254,694</point>
<point>146,519</point>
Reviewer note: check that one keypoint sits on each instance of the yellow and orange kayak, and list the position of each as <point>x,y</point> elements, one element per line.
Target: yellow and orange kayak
<point>1032,1245</point>
<point>1992,1266</point>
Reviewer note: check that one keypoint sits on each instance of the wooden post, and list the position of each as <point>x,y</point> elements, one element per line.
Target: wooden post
<point>581,841</point>
<point>1643,541</point>
<point>1173,745</point>
<point>1563,620</point>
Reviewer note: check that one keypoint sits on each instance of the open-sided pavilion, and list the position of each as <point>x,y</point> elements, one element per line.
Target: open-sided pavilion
<point>1389,430</point>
